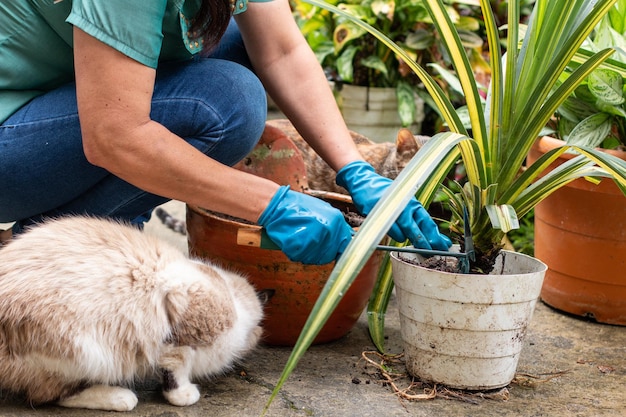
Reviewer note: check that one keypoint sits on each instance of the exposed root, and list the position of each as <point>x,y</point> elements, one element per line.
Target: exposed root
<point>532,381</point>
<point>387,374</point>
<point>390,378</point>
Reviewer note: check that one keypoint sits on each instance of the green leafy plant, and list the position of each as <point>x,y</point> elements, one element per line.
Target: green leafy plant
<point>523,95</point>
<point>594,115</point>
<point>350,54</point>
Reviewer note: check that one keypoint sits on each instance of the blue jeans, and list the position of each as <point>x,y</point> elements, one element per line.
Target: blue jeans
<point>215,103</point>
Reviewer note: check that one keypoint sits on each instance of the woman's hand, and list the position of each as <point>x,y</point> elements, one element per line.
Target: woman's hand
<point>305,228</point>
<point>414,223</point>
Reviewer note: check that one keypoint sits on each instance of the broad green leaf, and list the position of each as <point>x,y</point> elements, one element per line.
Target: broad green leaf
<point>574,109</point>
<point>419,39</point>
<point>323,50</point>
<point>606,85</point>
<point>617,16</point>
<point>406,103</point>
<point>375,63</point>
<point>345,66</point>
<point>344,33</point>
<point>610,109</point>
<point>591,131</point>
<point>468,24</point>
<point>470,39</point>
<point>611,142</point>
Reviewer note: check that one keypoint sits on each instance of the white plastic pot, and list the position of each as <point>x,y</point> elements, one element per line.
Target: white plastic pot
<point>466,331</point>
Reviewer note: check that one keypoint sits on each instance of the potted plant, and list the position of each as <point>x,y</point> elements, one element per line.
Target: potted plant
<point>498,191</point>
<point>375,89</point>
<point>579,228</point>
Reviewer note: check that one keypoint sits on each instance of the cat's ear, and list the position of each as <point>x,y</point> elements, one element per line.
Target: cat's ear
<point>264,296</point>
<point>406,142</point>
<point>197,315</point>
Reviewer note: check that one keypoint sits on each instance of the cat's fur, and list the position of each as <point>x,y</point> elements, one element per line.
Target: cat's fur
<point>387,158</point>
<point>87,306</point>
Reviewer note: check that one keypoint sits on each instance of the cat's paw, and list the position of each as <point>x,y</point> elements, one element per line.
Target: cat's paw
<point>184,395</point>
<point>102,397</point>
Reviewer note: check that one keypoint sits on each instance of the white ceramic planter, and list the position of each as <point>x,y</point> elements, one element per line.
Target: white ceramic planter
<point>466,331</point>
<point>373,112</point>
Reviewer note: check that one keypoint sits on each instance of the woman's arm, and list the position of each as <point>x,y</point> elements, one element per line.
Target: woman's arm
<point>114,96</point>
<point>293,77</point>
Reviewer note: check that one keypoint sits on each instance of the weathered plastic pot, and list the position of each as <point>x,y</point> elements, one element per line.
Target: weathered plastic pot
<point>297,286</point>
<point>466,331</point>
<point>580,232</point>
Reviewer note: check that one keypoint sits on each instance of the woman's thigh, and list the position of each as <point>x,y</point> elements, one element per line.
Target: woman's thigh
<point>216,105</point>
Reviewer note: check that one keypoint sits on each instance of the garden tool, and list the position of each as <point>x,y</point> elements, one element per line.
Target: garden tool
<point>257,237</point>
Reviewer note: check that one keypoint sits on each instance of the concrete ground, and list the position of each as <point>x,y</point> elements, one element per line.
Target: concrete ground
<point>334,381</point>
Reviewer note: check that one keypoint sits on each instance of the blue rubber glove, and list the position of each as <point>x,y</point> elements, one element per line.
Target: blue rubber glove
<point>305,228</point>
<point>414,223</point>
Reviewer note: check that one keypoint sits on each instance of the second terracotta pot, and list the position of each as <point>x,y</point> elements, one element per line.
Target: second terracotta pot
<point>580,232</point>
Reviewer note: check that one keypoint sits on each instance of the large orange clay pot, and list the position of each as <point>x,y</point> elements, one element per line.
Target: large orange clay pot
<point>580,233</point>
<point>297,286</point>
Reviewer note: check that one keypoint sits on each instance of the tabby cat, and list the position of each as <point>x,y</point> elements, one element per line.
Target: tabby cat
<point>387,158</point>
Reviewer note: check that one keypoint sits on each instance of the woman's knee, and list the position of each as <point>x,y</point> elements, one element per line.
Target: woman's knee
<point>243,128</point>
<point>218,106</point>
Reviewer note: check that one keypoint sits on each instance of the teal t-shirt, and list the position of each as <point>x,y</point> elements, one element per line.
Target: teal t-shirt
<point>36,39</point>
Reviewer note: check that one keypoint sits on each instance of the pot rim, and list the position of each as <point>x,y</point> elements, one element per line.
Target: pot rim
<point>324,195</point>
<point>541,266</point>
<point>222,217</point>
<point>547,143</point>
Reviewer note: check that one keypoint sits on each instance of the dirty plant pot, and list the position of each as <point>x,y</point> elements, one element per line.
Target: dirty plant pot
<point>466,331</point>
<point>580,232</point>
<point>297,286</point>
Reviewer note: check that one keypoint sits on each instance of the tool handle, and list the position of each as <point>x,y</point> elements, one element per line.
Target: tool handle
<point>255,237</point>
<point>423,252</point>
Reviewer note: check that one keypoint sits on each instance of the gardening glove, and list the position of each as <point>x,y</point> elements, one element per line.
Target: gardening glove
<point>414,223</point>
<point>305,228</point>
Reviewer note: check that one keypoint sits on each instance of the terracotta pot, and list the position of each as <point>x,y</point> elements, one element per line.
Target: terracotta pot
<point>580,232</point>
<point>297,286</point>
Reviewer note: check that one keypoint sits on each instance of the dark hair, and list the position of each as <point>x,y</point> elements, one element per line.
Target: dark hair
<point>211,22</point>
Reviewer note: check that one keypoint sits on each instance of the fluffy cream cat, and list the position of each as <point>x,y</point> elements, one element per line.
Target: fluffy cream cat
<point>87,306</point>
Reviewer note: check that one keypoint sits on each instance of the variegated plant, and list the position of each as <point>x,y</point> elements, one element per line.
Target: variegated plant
<point>524,94</point>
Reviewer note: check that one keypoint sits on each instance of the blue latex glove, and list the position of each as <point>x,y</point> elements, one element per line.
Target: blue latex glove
<point>414,223</point>
<point>305,228</point>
